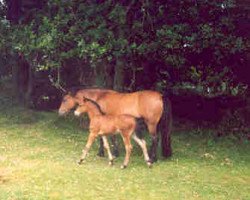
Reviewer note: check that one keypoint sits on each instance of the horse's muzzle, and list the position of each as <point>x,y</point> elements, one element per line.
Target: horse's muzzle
<point>62,112</point>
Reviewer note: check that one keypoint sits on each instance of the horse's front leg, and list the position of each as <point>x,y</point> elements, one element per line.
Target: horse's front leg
<point>115,145</point>
<point>101,148</point>
<point>90,141</point>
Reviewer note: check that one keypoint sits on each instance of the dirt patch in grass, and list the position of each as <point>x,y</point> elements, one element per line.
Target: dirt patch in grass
<point>5,175</point>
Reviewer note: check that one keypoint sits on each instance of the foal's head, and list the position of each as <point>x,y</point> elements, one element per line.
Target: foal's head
<point>82,108</point>
<point>68,103</point>
<point>89,106</point>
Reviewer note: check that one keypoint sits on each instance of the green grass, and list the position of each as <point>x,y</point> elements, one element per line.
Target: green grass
<point>39,150</point>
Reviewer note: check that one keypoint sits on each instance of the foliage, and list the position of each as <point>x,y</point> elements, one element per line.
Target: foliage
<point>178,44</point>
<point>5,43</point>
<point>234,124</point>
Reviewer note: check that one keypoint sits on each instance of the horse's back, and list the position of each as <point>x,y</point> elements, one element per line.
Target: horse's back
<point>94,94</point>
<point>145,104</point>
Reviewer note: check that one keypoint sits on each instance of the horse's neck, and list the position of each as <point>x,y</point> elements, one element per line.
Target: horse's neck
<point>94,94</point>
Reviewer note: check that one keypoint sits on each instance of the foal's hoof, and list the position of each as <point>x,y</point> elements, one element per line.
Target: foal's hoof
<point>123,167</point>
<point>79,162</point>
<point>111,163</point>
<point>150,164</point>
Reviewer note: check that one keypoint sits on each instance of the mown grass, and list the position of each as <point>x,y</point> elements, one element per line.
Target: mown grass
<point>39,150</point>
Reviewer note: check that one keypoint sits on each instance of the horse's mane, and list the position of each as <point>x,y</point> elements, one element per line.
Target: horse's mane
<point>96,104</point>
<point>74,90</point>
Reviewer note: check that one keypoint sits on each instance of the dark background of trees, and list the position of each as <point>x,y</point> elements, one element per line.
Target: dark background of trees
<point>196,51</point>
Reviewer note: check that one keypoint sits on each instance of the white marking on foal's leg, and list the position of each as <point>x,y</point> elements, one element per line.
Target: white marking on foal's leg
<point>143,146</point>
<point>83,156</point>
<point>85,151</point>
<point>106,146</point>
<point>128,148</point>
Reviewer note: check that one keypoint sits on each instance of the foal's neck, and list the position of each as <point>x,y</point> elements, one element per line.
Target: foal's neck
<point>93,110</point>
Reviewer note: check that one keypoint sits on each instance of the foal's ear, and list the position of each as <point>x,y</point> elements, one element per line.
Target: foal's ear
<point>69,93</point>
<point>85,99</point>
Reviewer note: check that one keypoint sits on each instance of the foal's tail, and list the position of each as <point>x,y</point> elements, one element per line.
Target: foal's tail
<point>165,127</point>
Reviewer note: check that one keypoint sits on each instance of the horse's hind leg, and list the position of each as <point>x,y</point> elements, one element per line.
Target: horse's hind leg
<point>106,146</point>
<point>128,148</point>
<point>152,128</point>
<point>90,141</point>
<point>143,146</point>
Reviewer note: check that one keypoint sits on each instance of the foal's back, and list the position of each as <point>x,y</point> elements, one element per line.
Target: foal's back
<point>107,124</point>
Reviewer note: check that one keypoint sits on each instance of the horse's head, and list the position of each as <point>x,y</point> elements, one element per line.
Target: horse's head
<point>68,103</point>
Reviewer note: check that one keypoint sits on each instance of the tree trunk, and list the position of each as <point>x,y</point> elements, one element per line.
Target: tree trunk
<point>119,75</point>
<point>103,75</point>
<point>22,79</point>
<point>15,80</point>
<point>29,87</point>
<point>99,71</point>
<point>109,78</point>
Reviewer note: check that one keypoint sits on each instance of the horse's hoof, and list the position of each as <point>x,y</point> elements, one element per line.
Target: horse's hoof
<point>153,159</point>
<point>123,167</point>
<point>115,153</point>
<point>100,154</point>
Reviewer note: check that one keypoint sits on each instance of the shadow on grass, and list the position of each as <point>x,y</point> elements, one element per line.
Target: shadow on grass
<point>19,115</point>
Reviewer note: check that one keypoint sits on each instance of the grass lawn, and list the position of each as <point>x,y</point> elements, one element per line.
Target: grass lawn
<point>39,150</point>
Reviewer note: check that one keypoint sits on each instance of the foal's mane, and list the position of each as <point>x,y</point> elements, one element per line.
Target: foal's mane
<point>95,104</point>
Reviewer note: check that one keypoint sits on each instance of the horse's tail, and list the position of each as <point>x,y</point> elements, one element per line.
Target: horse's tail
<point>165,127</point>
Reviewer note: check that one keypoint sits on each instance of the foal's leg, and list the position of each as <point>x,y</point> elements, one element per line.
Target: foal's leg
<point>152,128</point>
<point>90,141</point>
<point>106,146</point>
<point>143,146</point>
<point>114,144</point>
<point>128,148</point>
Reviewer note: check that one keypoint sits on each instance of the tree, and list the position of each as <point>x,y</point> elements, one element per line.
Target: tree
<point>133,44</point>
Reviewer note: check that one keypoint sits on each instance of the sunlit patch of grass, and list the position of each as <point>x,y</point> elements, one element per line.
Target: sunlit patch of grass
<point>38,161</point>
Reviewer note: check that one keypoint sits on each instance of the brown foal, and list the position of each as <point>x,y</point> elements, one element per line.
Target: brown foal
<point>104,125</point>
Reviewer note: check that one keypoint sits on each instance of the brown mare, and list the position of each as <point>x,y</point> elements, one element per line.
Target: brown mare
<point>104,125</point>
<point>149,105</point>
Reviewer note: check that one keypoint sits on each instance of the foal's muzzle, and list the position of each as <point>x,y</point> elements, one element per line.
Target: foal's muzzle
<point>76,113</point>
